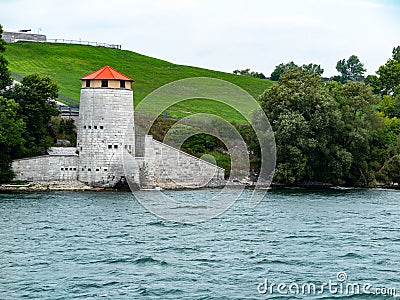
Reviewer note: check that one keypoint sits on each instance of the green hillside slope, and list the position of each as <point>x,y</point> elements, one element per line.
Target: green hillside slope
<point>67,63</point>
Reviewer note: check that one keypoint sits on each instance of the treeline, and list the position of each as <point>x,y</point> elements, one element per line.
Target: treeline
<point>345,131</point>
<point>28,118</point>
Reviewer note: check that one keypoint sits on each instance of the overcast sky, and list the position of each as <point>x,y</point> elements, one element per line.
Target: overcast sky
<point>223,34</point>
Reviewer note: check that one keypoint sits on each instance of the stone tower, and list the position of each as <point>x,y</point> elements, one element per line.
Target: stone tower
<point>106,106</point>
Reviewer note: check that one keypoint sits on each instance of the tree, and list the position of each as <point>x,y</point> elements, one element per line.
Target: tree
<point>358,121</point>
<point>36,109</point>
<point>305,119</point>
<point>281,68</point>
<point>246,72</point>
<point>389,76</point>
<point>396,53</point>
<point>314,68</point>
<point>351,69</point>
<point>11,129</point>
<point>374,82</point>
<point>5,76</point>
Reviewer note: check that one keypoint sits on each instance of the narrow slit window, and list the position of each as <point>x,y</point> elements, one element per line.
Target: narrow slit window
<point>122,84</point>
<point>87,83</point>
<point>95,126</point>
<point>104,83</point>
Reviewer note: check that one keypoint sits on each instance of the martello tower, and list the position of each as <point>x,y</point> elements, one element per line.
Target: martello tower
<point>106,106</point>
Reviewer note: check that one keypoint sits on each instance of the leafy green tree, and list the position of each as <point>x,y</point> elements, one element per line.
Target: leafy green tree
<point>389,76</point>
<point>281,68</point>
<point>36,109</point>
<point>374,82</point>
<point>314,68</point>
<point>11,130</point>
<point>351,69</point>
<point>247,72</point>
<point>305,120</point>
<point>358,120</point>
<point>5,76</point>
<point>396,53</point>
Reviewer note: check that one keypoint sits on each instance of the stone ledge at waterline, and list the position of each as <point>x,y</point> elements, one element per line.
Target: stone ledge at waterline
<point>68,185</point>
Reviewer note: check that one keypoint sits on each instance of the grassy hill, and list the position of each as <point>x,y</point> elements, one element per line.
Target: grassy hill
<point>67,63</point>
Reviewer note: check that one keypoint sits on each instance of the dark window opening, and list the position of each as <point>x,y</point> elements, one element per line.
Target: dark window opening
<point>104,83</point>
<point>105,170</point>
<point>62,169</point>
<point>97,170</point>
<point>101,127</point>
<point>90,127</point>
<point>84,127</point>
<point>87,83</point>
<point>95,126</point>
<point>82,169</point>
<point>89,169</point>
<point>74,169</point>
<point>122,84</point>
<point>115,146</point>
<point>109,146</point>
<point>70,169</point>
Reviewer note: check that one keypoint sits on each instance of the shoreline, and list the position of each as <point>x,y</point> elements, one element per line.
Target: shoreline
<point>77,186</point>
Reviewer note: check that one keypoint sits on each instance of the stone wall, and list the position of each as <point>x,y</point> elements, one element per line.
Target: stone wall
<point>46,168</point>
<point>167,167</point>
<point>12,37</point>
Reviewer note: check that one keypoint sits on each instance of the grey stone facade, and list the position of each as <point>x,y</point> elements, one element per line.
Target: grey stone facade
<point>108,152</point>
<point>47,168</point>
<point>12,37</point>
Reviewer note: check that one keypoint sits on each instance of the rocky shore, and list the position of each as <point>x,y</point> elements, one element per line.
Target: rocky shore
<point>72,185</point>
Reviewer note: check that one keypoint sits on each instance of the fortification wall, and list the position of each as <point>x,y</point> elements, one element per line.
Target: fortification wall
<point>46,168</point>
<point>12,37</point>
<point>167,167</point>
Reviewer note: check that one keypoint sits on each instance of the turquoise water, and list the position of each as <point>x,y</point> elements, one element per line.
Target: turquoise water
<point>105,245</point>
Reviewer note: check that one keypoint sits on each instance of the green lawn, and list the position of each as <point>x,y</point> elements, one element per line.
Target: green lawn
<point>67,63</point>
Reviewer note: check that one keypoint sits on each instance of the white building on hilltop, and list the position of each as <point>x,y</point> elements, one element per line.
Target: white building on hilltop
<point>105,142</point>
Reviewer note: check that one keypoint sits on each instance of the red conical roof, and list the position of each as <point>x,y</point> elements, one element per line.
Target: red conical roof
<point>107,73</point>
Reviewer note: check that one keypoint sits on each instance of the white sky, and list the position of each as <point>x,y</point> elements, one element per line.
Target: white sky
<point>223,34</point>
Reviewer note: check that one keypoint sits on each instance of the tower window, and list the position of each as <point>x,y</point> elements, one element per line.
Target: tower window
<point>109,146</point>
<point>115,146</point>
<point>104,83</point>
<point>84,126</point>
<point>122,84</point>
<point>90,127</point>
<point>95,126</point>
<point>101,127</point>
<point>87,83</point>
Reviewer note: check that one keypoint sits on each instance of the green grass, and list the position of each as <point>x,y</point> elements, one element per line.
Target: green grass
<point>67,63</point>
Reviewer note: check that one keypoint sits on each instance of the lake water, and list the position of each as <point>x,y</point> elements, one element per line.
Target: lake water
<point>105,245</point>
